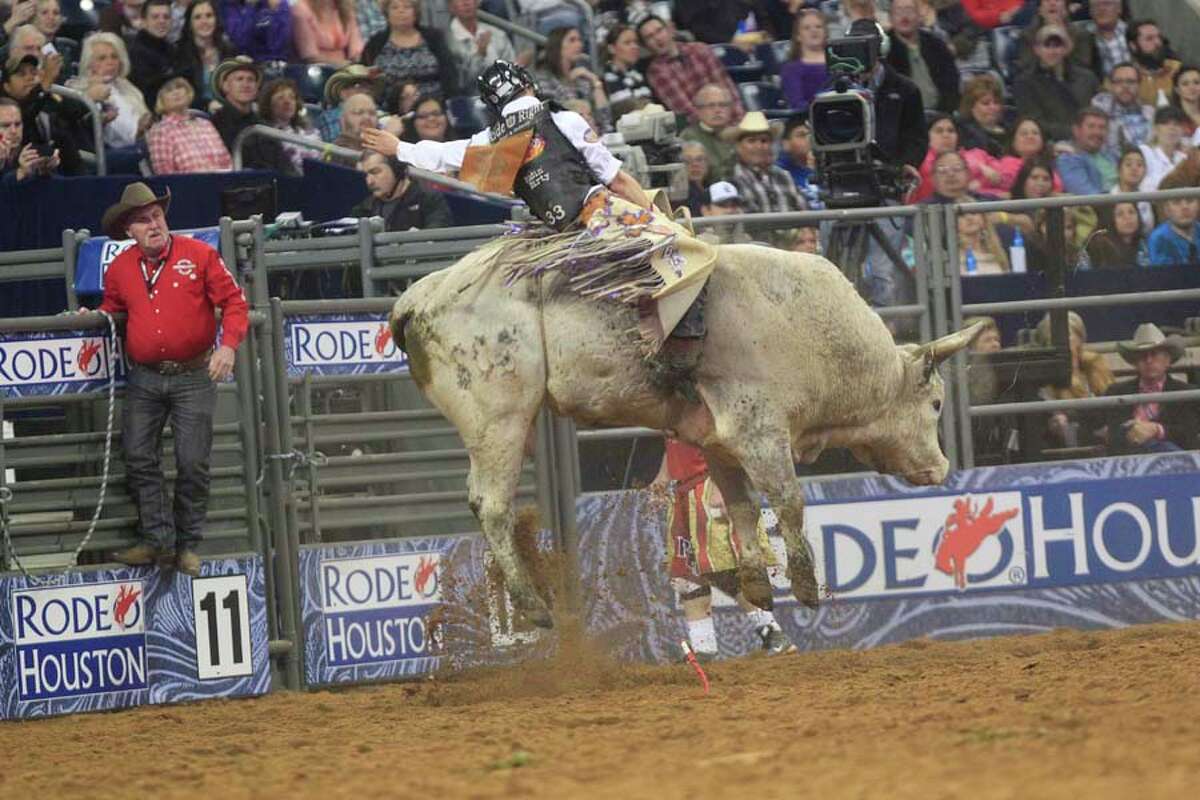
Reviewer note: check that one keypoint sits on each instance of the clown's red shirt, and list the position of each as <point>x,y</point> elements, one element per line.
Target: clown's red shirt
<point>175,320</point>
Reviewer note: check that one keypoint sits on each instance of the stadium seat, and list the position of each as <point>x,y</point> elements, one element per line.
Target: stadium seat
<point>468,115</point>
<point>740,66</point>
<point>774,54</point>
<point>311,79</point>
<point>766,97</point>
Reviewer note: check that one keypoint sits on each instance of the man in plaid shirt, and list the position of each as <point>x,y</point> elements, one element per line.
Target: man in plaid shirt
<point>679,70</point>
<point>762,185</point>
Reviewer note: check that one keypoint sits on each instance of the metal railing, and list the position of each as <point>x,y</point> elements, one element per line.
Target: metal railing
<point>512,27</point>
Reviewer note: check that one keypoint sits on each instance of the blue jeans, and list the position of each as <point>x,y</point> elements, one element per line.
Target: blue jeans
<point>186,400</point>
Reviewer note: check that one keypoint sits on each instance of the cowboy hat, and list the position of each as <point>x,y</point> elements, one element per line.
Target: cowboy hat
<point>1148,337</point>
<point>136,195</point>
<point>347,76</point>
<point>754,123</point>
<point>228,67</point>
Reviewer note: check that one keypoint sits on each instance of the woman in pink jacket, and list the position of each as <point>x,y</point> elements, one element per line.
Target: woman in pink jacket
<point>326,31</point>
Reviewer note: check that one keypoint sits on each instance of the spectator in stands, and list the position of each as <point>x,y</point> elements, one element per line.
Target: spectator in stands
<point>151,55</point>
<point>1186,97</point>
<point>1090,377</point>
<point>123,17</point>
<point>1107,30</point>
<point>981,116</point>
<point>695,161</point>
<point>1122,244</point>
<point>805,74</point>
<point>280,106</point>
<point>474,44</point>
<point>1027,142</point>
<point>358,112</point>
<point>19,160</point>
<point>1131,171</point>
<point>103,76</point>
<point>408,51</point>
<point>1081,46</point>
<point>1150,427</point>
<point>1164,149</point>
<point>951,179</point>
<point>49,123</point>
<point>923,58</point>
<point>428,122</point>
<point>172,376</point>
<point>1053,91</point>
<point>807,239</point>
<point>48,18</point>
<point>1153,61</point>
<point>261,29</point>
<point>624,82</point>
<point>370,18</point>
<point>678,71</point>
<point>179,142</point>
<point>235,85</point>
<point>762,186</point>
<point>1176,241</point>
<point>1129,118</point>
<point>980,251</point>
<point>796,156</point>
<point>343,84</point>
<point>563,75</point>
<point>943,138</point>
<point>1086,168</point>
<point>326,32</point>
<point>723,199</point>
<point>20,13</point>
<point>26,40</point>
<point>202,45</point>
<point>719,21</point>
<point>404,203</point>
<point>714,110</point>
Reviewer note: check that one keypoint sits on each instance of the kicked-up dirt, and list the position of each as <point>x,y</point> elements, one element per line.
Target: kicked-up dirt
<point>1070,714</point>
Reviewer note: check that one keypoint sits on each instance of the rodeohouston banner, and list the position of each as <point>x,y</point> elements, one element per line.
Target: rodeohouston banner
<point>89,640</point>
<point>1091,544</point>
<point>97,253</point>
<point>341,344</point>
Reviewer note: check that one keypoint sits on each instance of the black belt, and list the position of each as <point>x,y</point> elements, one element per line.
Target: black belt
<point>176,367</point>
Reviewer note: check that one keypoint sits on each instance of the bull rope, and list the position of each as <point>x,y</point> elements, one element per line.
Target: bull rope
<point>6,494</point>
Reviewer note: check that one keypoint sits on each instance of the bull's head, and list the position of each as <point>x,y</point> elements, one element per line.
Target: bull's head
<point>904,439</point>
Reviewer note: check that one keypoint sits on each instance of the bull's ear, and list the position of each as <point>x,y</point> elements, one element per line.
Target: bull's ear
<point>948,345</point>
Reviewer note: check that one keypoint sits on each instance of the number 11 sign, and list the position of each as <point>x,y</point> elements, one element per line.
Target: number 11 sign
<point>222,627</point>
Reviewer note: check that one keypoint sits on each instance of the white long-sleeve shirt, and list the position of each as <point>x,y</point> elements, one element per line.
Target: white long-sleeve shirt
<point>448,156</point>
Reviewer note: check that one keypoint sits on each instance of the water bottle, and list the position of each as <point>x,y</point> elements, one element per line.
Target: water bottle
<point>972,265</point>
<point>1016,253</point>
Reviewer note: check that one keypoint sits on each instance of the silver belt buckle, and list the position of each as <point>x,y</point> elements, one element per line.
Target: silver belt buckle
<point>170,367</point>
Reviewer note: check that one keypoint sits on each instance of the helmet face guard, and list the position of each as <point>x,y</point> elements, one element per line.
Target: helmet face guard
<point>501,83</point>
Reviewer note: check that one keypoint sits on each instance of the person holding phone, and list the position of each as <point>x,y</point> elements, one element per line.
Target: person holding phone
<point>19,160</point>
<point>48,122</point>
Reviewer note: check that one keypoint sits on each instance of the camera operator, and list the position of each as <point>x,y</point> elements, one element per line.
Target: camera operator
<point>899,110</point>
<point>46,119</point>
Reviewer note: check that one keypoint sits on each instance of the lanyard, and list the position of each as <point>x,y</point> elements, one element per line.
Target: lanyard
<point>151,280</point>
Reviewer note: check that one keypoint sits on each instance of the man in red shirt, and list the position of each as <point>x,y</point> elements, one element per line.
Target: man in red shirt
<point>169,287</point>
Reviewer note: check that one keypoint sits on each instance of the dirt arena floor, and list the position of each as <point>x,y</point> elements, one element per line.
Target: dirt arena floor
<point>1064,715</point>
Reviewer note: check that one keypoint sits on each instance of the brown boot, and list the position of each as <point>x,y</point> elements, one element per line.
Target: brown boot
<point>139,555</point>
<point>187,562</point>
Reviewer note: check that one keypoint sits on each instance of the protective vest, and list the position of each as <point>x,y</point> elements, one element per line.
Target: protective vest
<point>554,178</point>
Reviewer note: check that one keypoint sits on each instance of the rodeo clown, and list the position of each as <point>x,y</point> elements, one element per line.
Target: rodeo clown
<point>703,550</point>
<point>606,234</point>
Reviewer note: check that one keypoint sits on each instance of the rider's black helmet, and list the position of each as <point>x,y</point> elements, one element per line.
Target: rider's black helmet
<point>503,82</point>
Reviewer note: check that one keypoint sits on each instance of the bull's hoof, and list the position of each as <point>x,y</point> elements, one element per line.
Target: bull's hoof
<point>804,581</point>
<point>755,585</point>
<point>535,611</point>
<point>540,618</point>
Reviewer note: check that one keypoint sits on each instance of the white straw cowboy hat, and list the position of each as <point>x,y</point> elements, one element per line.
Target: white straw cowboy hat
<point>348,76</point>
<point>136,195</point>
<point>755,122</point>
<point>1148,337</point>
<point>226,68</point>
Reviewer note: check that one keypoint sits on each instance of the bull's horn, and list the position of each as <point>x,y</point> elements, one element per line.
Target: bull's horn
<point>951,343</point>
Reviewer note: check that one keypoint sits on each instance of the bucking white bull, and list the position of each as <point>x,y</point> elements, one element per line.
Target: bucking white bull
<point>794,362</point>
